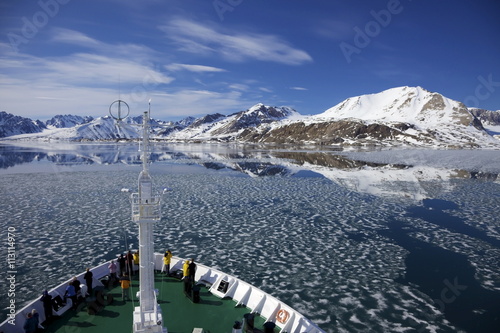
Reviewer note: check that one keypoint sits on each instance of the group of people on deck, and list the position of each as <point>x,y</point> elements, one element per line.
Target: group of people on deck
<point>188,273</point>
<point>188,267</point>
<point>120,272</point>
<point>75,291</point>
<point>128,265</point>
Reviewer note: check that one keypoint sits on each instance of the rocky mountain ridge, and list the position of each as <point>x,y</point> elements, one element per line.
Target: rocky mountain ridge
<point>399,116</point>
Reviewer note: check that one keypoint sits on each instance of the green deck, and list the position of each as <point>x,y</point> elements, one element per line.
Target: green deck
<point>180,314</point>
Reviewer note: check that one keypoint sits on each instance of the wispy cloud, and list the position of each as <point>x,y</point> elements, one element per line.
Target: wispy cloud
<point>85,83</point>
<point>239,86</point>
<point>83,69</point>
<point>81,83</point>
<point>193,68</point>
<point>298,88</point>
<point>194,37</point>
<point>138,52</point>
<point>86,78</point>
<point>74,37</point>
<point>335,29</point>
<point>191,102</point>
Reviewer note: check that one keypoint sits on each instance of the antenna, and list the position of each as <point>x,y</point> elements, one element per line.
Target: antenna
<point>116,112</point>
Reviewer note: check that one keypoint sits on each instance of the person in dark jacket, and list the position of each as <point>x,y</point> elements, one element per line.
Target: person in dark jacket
<point>30,325</point>
<point>88,277</point>
<point>76,284</point>
<point>121,264</point>
<point>46,299</point>
<point>192,271</point>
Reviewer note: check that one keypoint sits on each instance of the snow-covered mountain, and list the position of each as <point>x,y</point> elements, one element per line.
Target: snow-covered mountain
<point>489,119</point>
<point>14,125</point>
<point>399,116</point>
<point>404,115</point>
<point>66,121</point>
<point>413,105</point>
<point>220,127</point>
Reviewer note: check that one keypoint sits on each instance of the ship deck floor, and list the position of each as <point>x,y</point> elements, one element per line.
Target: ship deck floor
<point>180,314</point>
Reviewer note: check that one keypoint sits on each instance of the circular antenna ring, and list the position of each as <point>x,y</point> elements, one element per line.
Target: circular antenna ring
<point>119,110</point>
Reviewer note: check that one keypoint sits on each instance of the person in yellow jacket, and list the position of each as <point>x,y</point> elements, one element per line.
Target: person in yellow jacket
<point>167,258</point>
<point>185,270</point>
<point>125,284</point>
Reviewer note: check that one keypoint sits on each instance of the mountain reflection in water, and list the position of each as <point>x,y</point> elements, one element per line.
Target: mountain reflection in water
<point>357,241</point>
<point>380,179</point>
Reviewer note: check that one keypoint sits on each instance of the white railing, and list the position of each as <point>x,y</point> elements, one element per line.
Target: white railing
<point>20,317</point>
<point>269,307</point>
<point>146,211</point>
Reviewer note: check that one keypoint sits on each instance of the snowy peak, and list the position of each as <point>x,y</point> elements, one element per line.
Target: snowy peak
<point>220,127</point>
<point>14,125</point>
<point>66,121</point>
<point>208,119</point>
<point>105,128</point>
<point>399,116</point>
<point>186,121</point>
<point>413,105</point>
<point>267,113</point>
<point>257,115</point>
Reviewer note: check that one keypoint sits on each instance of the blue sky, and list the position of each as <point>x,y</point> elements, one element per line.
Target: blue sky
<point>194,57</point>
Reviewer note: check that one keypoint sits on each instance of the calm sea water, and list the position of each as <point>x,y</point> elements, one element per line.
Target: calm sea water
<point>354,243</point>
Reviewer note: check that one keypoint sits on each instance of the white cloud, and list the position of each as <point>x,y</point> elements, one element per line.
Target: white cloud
<point>193,68</point>
<point>85,83</point>
<point>82,69</point>
<point>79,83</point>
<point>189,102</point>
<point>74,37</point>
<point>298,88</point>
<point>137,52</point>
<point>238,47</point>
<point>239,86</point>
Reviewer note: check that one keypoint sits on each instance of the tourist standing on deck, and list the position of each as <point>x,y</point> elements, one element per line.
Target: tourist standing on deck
<point>192,271</point>
<point>167,258</point>
<point>30,325</point>
<point>88,277</point>
<point>121,264</point>
<point>46,299</point>
<point>185,270</point>
<point>36,319</point>
<point>71,294</point>
<point>76,284</point>
<point>125,284</point>
<point>112,274</point>
<point>130,262</point>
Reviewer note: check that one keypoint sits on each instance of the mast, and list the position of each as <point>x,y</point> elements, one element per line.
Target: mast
<point>146,210</point>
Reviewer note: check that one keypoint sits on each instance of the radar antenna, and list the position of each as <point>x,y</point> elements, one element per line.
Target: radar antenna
<point>119,110</point>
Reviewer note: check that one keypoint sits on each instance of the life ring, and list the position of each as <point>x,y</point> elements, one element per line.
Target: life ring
<point>282,316</point>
